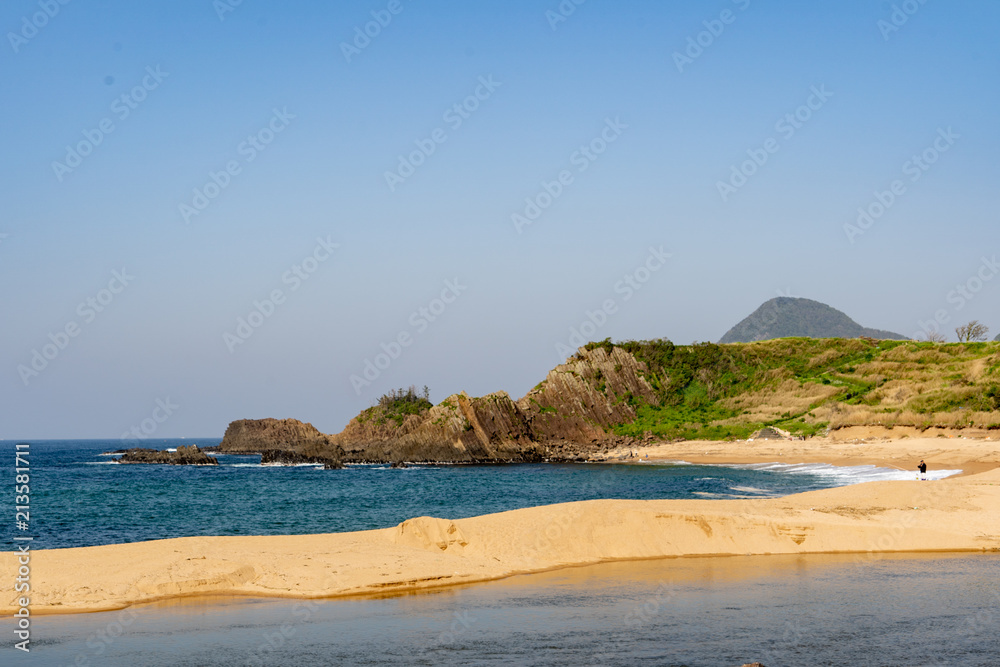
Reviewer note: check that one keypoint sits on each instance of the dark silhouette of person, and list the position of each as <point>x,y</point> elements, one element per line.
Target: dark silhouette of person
<point>923,469</point>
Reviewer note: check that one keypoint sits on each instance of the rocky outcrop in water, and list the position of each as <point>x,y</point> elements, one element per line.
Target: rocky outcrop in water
<point>252,436</point>
<point>288,457</point>
<point>183,456</point>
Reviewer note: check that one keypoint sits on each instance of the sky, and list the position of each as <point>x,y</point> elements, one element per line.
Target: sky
<point>221,210</point>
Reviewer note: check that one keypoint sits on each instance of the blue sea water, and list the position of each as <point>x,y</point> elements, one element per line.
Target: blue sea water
<point>81,497</point>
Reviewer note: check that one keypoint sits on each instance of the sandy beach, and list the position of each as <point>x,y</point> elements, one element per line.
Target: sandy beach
<point>961,513</point>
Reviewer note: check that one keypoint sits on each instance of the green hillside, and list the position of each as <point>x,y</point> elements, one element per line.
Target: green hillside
<point>808,385</point>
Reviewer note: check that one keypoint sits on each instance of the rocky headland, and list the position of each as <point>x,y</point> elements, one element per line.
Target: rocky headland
<point>567,417</point>
<point>613,397</point>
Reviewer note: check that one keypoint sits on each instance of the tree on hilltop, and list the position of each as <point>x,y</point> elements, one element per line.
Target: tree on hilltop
<point>972,332</point>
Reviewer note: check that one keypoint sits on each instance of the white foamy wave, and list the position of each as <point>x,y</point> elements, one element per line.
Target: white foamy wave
<point>844,475</point>
<point>265,466</point>
<point>725,496</point>
<point>751,489</point>
<point>290,465</point>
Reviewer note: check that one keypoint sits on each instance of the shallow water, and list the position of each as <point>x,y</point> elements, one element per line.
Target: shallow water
<point>696,612</point>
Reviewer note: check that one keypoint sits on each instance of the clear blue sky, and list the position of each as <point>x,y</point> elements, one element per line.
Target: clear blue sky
<point>187,88</point>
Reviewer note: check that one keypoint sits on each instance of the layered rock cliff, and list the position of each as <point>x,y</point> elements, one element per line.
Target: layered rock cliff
<point>567,417</point>
<point>459,429</point>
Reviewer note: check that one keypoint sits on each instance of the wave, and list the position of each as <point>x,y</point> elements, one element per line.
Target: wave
<point>752,489</point>
<point>842,475</point>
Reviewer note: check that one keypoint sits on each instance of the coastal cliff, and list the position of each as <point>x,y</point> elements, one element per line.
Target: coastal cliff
<point>459,429</point>
<point>613,395</point>
<point>568,416</point>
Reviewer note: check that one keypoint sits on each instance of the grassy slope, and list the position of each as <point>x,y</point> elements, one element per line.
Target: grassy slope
<point>806,385</point>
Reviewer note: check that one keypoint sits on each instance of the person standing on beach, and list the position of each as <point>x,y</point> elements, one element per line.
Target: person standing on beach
<point>923,470</point>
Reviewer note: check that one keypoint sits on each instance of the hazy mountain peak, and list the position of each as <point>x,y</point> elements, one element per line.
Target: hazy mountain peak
<point>785,316</point>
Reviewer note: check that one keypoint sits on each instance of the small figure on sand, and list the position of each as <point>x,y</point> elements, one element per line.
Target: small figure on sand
<point>923,471</point>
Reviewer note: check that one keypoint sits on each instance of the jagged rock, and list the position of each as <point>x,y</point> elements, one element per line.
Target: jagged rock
<point>291,457</point>
<point>183,456</point>
<point>568,417</point>
<point>580,400</point>
<point>459,429</point>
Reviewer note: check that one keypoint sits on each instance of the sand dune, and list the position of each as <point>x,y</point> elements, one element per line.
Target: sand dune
<point>956,514</point>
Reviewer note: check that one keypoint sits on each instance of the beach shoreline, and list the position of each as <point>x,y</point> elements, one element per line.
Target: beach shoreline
<point>956,514</point>
<point>847,447</point>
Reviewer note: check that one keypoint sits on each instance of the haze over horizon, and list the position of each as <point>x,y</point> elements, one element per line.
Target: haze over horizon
<point>463,186</point>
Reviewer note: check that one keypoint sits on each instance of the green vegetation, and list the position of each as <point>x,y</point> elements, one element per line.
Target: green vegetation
<point>396,405</point>
<point>806,385</point>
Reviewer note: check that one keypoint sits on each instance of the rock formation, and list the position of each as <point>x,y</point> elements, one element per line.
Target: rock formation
<point>290,457</point>
<point>567,417</point>
<point>608,396</point>
<point>183,456</point>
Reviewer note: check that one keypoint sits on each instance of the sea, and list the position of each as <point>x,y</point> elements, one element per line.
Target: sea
<point>908,609</point>
<point>81,497</point>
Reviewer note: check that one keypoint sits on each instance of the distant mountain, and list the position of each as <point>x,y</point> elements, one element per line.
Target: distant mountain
<point>997,339</point>
<point>784,316</point>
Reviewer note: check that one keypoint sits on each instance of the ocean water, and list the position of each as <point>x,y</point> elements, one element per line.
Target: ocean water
<point>785,611</point>
<point>80,497</point>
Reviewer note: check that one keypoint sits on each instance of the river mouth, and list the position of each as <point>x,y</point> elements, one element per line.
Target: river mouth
<point>913,609</point>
